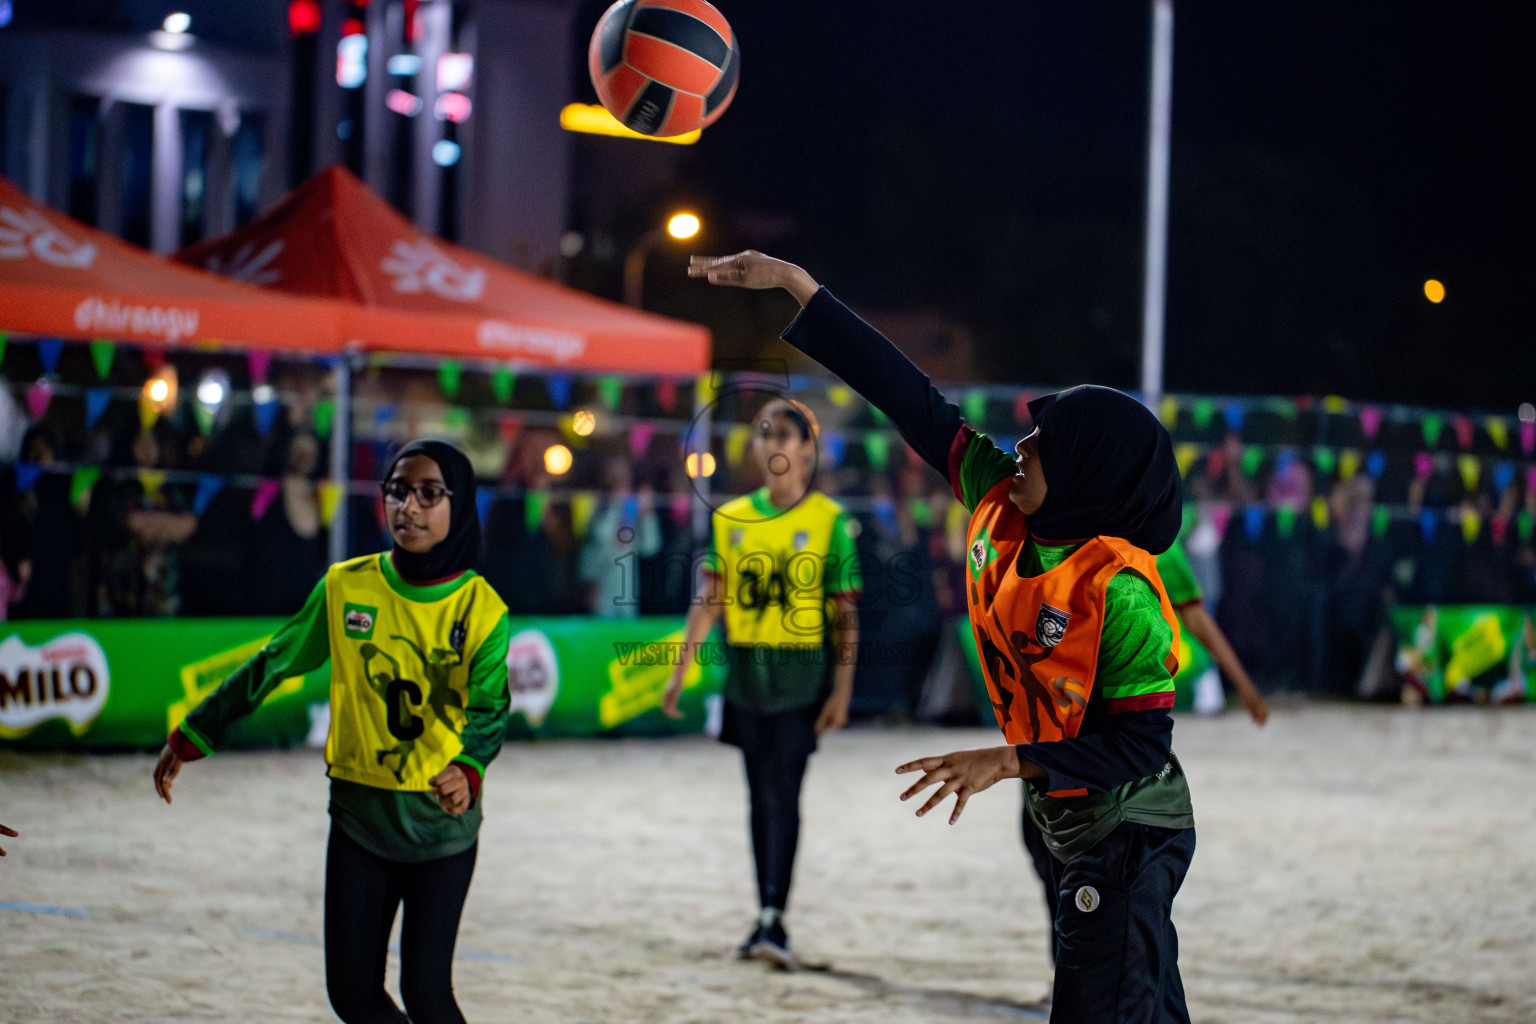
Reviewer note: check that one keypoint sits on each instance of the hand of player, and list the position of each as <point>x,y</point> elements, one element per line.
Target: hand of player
<point>834,713</point>
<point>7,832</point>
<point>965,773</point>
<point>451,788</point>
<point>751,269</point>
<point>1254,702</point>
<point>166,770</point>
<point>673,692</point>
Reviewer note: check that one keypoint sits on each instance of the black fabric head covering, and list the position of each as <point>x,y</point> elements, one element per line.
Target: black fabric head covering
<point>1109,470</point>
<point>456,552</point>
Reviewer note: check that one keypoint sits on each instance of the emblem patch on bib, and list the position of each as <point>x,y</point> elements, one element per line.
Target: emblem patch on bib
<point>1087,899</point>
<point>1051,625</point>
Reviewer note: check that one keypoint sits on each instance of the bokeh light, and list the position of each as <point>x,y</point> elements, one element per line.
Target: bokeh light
<point>557,459</point>
<point>1434,291</point>
<point>683,226</point>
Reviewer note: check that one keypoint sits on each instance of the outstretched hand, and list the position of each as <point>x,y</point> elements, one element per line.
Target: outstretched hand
<point>7,832</point>
<point>752,269</point>
<point>965,773</point>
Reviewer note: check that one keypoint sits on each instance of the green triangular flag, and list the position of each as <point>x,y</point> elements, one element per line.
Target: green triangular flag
<point>880,418</point>
<point>1325,459</point>
<point>612,391</point>
<point>102,353</point>
<point>450,375</point>
<point>1287,408</point>
<point>1524,525</point>
<point>1432,425</point>
<point>1381,518</point>
<point>1285,520</point>
<point>878,448</point>
<point>1253,458</point>
<point>975,402</point>
<point>4,337</point>
<point>921,516</point>
<point>1203,411</point>
<point>456,418</point>
<point>204,417</point>
<point>81,483</point>
<point>325,415</point>
<point>533,510</point>
<point>502,379</point>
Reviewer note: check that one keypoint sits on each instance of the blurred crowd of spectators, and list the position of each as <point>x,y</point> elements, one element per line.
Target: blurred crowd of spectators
<point>1301,593</point>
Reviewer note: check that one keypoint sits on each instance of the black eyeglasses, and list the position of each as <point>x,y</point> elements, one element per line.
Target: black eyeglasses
<point>398,492</point>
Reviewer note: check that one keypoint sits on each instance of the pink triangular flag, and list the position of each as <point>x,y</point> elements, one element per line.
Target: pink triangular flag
<point>666,393</point>
<point>1370,421</point>
<point>1423,465</point>
<point>680,507</point>
<point>38,397</point>
<point>1527,437</point>
<point>260,361</point>
<point>1463,428</point>
<point>1221,516</point>
<point>266,493</point>
<point>640,438</point>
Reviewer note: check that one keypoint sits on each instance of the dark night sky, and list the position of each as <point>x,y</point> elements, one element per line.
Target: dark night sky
<point>987,160</point>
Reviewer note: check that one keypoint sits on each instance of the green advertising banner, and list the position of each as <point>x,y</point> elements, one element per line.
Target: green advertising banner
<point>1477,653</point>
<point>103,684</point>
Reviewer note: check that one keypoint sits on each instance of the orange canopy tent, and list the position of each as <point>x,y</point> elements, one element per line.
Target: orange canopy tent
<point>413,293</point>
<point>60,278</point>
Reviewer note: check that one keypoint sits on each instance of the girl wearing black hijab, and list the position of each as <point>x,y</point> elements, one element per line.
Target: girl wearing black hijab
<point>1077,639</point>
<point>417,643</point>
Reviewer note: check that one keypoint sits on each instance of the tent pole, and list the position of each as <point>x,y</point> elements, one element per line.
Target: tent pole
<point>702,507</point>
<point>341,463</point>
<point>1159,119</point>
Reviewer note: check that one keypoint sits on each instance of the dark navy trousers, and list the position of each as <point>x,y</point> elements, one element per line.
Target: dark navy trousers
<point>1115,948</point>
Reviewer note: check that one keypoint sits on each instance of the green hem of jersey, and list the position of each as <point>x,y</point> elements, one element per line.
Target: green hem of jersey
<point>415,592</point>
<point>197,740</point>
<point>476,765</point>
<point>1136,689</point>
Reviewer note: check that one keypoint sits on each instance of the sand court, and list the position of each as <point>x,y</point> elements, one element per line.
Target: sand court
<point>1354,864</point>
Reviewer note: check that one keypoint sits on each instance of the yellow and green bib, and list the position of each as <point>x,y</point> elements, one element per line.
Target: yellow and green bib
<point>400,670</point>
<point>780,568</point>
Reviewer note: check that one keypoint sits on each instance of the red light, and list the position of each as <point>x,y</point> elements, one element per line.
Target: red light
<point>303,17</point>
<point>412,25</point>
<point>353,27</point>
<point>402,102</point>
<point>453,106</point>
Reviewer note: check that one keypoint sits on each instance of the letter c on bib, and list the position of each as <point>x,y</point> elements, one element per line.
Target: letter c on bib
<point>402,724</point>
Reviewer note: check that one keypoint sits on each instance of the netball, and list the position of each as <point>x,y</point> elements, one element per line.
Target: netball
<point>664,67</point>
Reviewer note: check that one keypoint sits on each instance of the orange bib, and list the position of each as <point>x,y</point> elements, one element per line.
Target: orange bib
<point>1038,636</point>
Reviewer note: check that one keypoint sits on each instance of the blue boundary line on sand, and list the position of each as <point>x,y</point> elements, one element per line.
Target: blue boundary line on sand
<point>394,947</point>
<point>44,908</point>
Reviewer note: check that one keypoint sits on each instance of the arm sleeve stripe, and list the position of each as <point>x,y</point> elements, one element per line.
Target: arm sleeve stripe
<point>1141,702</point>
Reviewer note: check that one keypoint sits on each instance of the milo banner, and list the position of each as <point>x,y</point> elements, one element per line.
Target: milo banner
<point>1472,653</point>
<point>127,683</point>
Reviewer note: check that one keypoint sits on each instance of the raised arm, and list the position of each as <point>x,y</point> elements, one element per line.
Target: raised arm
<point>833,335</point>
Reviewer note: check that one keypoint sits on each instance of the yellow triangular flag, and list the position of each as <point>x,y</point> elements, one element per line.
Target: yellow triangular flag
<point>1320,513</point>
<point>1471,524</point>
<point>1349,463</point>
<point>330,500</point>
<point>1185,455</point>
<point>582,505</point>
<point>152,480</point>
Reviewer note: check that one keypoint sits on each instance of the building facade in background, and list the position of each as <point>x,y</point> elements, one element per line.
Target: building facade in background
<point>165,130</point>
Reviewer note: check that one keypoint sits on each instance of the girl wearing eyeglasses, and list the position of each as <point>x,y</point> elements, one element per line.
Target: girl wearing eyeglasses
<point>417,643</point>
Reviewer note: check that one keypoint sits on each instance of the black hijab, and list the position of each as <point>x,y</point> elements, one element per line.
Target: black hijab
<point>1109,470</point>
<point>456,552</point>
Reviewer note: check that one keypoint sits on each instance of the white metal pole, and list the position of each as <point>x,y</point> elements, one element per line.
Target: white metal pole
<point>1159,122</point>
<point>341,462</point>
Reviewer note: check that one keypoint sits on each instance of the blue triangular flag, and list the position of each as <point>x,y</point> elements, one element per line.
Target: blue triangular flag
<point>484,497</point>
<point>834,447</point>
<point>26,475</point>
<point>1253,521</point>
<point>207,486</point>
<point>266,416</point>
<point>96,402</point>
<point>1503,476</point>
<point>1284,462</point>
<point>559,386</point>
<point>1234,413</point>
<point>1376,464</point>
<point>629,513</point>
<point>1429,522</point>
<point>383,414</point>
<point>48,350</point>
